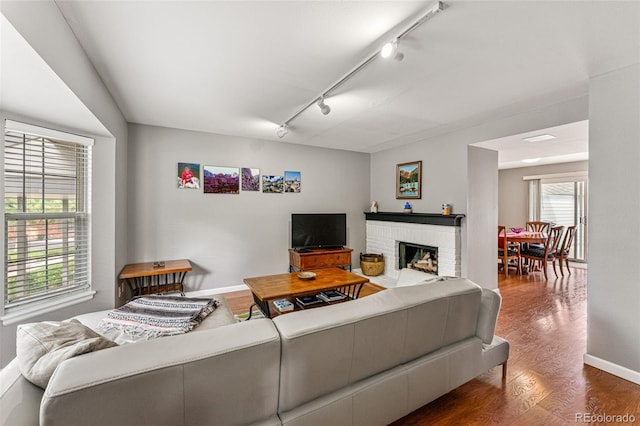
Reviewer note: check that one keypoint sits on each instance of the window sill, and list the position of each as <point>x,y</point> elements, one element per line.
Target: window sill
<point>36,309</point>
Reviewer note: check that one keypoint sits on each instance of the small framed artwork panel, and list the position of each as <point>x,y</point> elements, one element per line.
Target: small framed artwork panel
<point>292,182</point>
<point>272,184</point>
<point>221,180</point>
<point>188,175</point>
<point>409,180</point>
<point>250,179</point>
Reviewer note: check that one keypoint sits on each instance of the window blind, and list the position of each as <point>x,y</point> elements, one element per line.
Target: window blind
<point>47,217</point>
<point>557,203</point>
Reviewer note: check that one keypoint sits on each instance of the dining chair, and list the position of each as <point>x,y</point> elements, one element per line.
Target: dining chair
<point>546,254</point>
<point>563,252</point>
<point>507,251</point>
<point>537,226</point>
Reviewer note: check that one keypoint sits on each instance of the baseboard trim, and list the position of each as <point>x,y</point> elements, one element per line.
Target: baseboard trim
<point>218,290</point>
<point>610,367</point>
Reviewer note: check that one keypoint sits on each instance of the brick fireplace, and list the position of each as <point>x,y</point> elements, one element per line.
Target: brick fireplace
<point>418,256</point>
<point>385,231</point>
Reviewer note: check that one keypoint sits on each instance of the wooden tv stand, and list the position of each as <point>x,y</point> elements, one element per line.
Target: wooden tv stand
<point>320,258</point>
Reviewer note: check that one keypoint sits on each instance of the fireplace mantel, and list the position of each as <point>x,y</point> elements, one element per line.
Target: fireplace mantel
<point>424,218</point>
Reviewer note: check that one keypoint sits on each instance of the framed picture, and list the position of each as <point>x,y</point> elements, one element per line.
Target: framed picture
<point>221,180</point>
<point>409,180</point>
<point>250,179</point>
<point>188,176</point>
<point>292,182</point>
<point>272,184</point>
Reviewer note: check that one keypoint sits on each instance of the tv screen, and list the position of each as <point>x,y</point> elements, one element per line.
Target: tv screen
<point>318,230</point>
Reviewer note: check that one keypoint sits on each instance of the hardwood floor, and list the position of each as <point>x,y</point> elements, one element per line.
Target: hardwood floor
<point>547,382</point>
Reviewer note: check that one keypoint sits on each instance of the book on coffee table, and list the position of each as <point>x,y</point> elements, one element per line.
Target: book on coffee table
<point>283,305</point>
<point>306,301</point>
<point>331,295</point>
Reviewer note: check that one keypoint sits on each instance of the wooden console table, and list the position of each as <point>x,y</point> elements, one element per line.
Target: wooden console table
<point>145,278</point>
<point>321,258</point>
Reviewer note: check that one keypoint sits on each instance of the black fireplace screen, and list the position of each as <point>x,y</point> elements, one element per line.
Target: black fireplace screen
<point>420,257</point>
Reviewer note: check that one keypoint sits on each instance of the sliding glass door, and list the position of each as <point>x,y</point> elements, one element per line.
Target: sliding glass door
<point>564,203</point>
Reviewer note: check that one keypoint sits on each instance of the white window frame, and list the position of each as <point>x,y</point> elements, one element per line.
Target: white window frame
<point>535,183</point>
<point>534,188</point>
<point>30,308</point>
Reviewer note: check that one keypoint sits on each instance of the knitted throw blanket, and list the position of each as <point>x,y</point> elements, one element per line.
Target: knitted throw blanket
<point>157,316</point>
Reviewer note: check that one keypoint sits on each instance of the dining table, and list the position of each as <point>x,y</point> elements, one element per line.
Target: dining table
<point>523,237</point>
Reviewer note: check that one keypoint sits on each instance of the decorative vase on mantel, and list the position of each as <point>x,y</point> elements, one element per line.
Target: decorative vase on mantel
<point>407,208</point>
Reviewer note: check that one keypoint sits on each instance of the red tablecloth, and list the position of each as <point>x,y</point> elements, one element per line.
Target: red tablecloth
<point>538,237</point>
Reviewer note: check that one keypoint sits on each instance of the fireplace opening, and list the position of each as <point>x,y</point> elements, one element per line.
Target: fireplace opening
<point>420,257</point>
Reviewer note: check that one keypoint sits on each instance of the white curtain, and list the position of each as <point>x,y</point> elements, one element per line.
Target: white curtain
<point>534,200</point>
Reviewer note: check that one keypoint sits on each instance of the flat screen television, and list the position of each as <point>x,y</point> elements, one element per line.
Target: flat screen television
<point>318,230</point>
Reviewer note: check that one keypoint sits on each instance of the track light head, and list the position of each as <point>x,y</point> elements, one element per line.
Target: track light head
<point>324,108</point>
<point>282,131</point>
<point>390,51</point>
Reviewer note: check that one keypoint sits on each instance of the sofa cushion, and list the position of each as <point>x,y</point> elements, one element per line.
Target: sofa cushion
<point>439,314</point>
<point>223,376</point>
<point>42,346</point>
<point>331,347</point>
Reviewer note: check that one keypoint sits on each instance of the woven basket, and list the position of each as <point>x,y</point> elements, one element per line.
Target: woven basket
<point>371,264</point>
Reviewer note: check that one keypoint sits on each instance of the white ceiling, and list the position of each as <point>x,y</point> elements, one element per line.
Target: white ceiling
<point>30,88</point>
<point>571,143</point>
<point>243,67</point>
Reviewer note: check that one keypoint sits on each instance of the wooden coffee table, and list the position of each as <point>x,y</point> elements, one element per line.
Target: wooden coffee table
<point>288,286</point>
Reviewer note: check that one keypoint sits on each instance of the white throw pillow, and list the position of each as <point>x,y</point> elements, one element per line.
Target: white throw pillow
<point>42,346</point>
<point>409,277</point>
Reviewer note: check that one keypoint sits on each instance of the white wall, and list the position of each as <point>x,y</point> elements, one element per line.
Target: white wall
<point>45,29</point>
<point>231,237</point>
<point>445,173</point>
<point>482,199</point>
<point>513,192</point>
<point>613,304</point>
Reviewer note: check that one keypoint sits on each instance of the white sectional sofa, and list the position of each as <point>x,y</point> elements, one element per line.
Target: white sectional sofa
<point>364,362</point>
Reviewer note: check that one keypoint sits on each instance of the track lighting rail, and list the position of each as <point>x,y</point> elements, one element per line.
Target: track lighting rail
<point>283,129</point>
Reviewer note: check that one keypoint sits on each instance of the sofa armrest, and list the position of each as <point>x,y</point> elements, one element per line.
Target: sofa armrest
<point>488,315</point>
<point>19,399</point>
